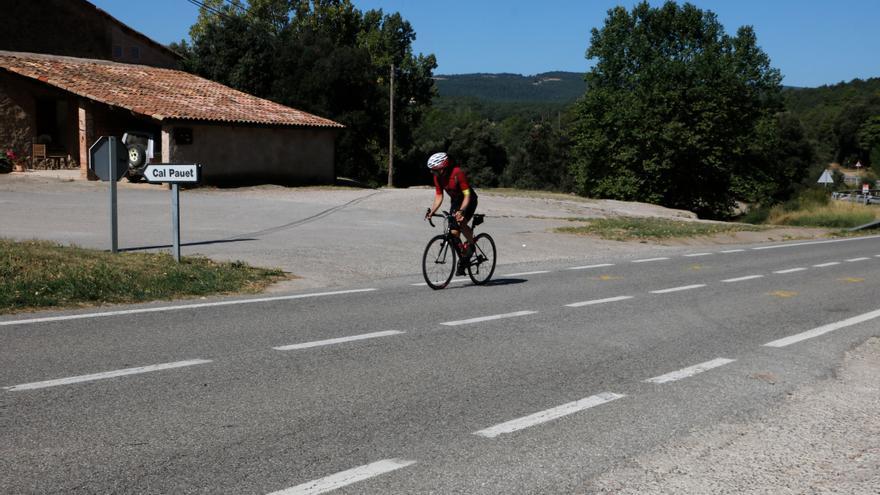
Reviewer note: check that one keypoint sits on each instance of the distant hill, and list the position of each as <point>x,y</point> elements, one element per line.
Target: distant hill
<point>549,87</point>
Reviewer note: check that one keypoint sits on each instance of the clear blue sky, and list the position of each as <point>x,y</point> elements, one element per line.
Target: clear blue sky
<point>813,42</point>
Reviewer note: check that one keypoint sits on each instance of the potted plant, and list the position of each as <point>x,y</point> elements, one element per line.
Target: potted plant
<point>7,162</point>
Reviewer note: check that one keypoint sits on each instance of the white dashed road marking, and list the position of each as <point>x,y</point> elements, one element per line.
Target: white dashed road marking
<point>488,318</point>
<point>106,374</point>
<point>340,340</point>
<point>598,301</point>
<point>809,334</point>
<point>676,289</point>
<point>346,478</point>
<point>733,251</point>
<point>548,415</point>
<point>649,259</point>
<point>857,259</point>
<point>823,265</point>
<point>690,371</point>
<point>740,279</point>
<point>790,270</point>
<point>178,308</point>
<point>694,255</point>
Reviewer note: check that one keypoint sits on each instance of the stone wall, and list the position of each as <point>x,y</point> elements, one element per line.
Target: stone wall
<point>16,117</point>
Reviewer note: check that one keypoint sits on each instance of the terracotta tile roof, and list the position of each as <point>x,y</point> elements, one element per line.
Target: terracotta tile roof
<point>162,94</point>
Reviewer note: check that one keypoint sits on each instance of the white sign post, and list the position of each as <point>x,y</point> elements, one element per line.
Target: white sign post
<point>174,174</point>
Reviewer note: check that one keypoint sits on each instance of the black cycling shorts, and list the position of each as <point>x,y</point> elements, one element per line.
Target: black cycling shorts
<point>468,213</point>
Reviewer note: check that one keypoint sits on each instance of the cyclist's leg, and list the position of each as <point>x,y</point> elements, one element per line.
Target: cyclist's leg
<point>468,215</point>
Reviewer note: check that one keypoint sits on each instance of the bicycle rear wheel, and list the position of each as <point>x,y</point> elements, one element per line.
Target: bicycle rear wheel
<point>438,262</point>
<point>482,264</point>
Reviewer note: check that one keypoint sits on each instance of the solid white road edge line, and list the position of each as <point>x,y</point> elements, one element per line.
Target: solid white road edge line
<point>538,272</point>
<point>694,255</point>
<point>809,334</point>
<point>106,374</point>
<point>597,301</point>
<point>811,243</point>
<point>857,259</point>
<point>649,259</point>
<point>587,267</point>
<point>318,343</point>
<point>676,289</point>
<point>823,265</point>
<point>346,478</point>
<point>690,371</point>
<point>178,308</point>
<point>488,318</point>
<point>548,415</point>
<point>790,270</point>
<point>740,279</point>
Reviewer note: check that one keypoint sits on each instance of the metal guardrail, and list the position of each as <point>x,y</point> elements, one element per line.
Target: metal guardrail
<point>856,196</point>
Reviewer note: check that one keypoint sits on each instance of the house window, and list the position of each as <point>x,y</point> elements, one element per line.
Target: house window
<point>117,51</point>
<point>183,135</point>
<point>134,53</point>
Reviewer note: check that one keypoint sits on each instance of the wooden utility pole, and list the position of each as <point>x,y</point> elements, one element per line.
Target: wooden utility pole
<point>391,132</point>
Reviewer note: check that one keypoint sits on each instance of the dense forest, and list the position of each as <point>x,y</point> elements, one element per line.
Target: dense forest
<point>674,111</point>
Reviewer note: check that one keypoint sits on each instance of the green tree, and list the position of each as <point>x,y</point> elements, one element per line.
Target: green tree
<point>869,139</point>
<point>676,112</point>
<point>325,57</point>
<point>538,159</point>
<point>478,150</point>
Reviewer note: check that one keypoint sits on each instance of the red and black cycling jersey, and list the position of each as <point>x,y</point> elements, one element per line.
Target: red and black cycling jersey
<point>454,183</point>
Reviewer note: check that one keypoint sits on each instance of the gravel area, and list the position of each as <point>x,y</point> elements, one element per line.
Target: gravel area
<point>825,438</point>
<point>325,236</point>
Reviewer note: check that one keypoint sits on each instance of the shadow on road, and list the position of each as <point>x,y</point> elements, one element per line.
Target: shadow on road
<point>183,244</point>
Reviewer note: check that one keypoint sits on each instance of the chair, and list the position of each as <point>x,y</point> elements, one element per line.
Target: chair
<point>38,155</point>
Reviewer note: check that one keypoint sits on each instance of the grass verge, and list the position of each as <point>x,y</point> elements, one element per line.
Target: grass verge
<point>835,215</point>
<point>40,275</point>
<point>636,228</point>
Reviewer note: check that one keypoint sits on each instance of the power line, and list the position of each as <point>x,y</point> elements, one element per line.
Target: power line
<point>210,9</point>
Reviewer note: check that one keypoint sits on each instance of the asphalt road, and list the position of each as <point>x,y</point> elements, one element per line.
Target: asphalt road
<point>534,384</point>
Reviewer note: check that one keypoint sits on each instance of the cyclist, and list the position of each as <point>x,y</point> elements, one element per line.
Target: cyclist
<point>451,178</point>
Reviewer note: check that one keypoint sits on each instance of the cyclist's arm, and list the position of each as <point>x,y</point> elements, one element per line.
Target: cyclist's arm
<point>438,200</point>
<point>465,190</point>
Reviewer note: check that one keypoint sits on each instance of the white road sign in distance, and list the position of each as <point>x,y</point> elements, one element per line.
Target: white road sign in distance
<point>172,174</point>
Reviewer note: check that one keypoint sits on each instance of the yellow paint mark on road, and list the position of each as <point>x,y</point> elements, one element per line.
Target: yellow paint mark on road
<point>696,267</point>
<point>609,277</point>
<point>785,294</point>
<point>852,280</point>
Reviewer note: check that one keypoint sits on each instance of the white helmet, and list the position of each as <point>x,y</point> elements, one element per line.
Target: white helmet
<point>438,161</point>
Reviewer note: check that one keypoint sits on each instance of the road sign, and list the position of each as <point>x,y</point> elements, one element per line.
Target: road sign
<point>169,173</point>
<point>100,162</point>
<point>174,174</point>
<point>826,178</point>
<point>866,188</point>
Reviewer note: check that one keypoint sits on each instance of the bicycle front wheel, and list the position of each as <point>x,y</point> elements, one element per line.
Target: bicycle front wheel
<point>438,262</point>
<point>482,264</point>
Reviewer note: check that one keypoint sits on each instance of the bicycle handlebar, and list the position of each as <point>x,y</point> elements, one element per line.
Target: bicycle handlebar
<point>444,215</point>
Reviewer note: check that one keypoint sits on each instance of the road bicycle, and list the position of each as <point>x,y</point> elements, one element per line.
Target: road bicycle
<point>445,250</point>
